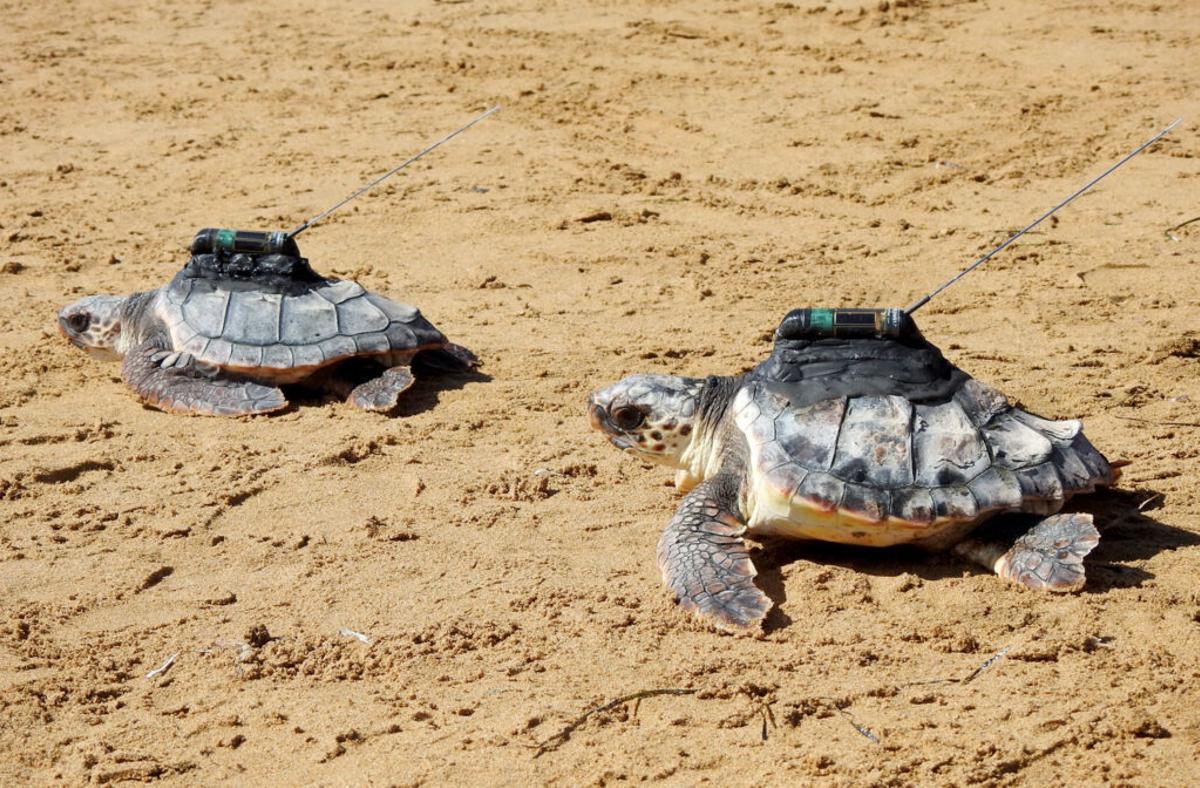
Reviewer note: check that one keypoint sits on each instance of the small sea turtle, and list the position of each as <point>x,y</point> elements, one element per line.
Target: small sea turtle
<point>868,440</point>
<point>228,330</point>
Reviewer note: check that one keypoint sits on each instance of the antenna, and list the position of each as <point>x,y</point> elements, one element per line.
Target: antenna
<point>908,310</point>
<point>387,175</point>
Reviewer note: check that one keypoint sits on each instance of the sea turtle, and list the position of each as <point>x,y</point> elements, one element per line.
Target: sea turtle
<point>870,440</point>
<point>228,330</point>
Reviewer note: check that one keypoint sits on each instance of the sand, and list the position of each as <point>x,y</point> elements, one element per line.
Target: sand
<point>664,182</point>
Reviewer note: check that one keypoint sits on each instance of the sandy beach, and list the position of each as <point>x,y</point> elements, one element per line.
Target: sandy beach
<point>440,596</point>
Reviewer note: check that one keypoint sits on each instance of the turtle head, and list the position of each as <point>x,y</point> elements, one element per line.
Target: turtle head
<point>94,324</point>
<point>650,416</point>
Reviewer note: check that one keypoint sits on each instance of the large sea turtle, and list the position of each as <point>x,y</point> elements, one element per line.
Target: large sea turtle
<point>228,330</point>
<point>870,440</point>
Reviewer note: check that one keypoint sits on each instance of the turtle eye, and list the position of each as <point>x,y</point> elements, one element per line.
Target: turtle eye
<point>79,321</point>
<point>628,418</point>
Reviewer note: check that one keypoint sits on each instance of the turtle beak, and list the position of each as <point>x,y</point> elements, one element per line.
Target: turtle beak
<point>598,415</point>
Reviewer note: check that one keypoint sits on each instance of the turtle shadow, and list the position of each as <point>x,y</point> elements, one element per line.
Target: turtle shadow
<point>423,395</point>
<point>425,392</point>
<point>1127,534</point>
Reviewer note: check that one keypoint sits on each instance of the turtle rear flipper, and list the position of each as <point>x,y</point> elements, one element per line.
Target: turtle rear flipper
<point>1049,557</point>
<point>450,359</point>
<point>706,564</point>
<point>186,390</point>
<point>382,393</point>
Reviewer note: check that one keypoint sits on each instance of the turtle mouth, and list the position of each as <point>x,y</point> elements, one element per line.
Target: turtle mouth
<point>598,416</point>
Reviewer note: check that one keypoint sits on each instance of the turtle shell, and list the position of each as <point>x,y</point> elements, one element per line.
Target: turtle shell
<point>880,442</point>
<point>270,317</point>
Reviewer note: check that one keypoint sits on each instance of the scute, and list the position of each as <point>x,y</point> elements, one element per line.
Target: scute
<point>996,489</point>
<point>1014,445</point>
<point>980,402</point>
<point>947,447</point>
<point>819,491</point>
<point>360,316</point>
<point>914,505</point>
<point>869,503</point>
<point>307,319</point>
<point>394,309</point>
<point>809,434</point>
<point>873,445</point>
<point>252,318</point>
<point>246,356</point>
<point>956,504</point>
<point>278,357</point>
<point>372,343</point>
<point>338,347</point>
<point>336,291</point>
<point>204,311</point>
<point>1041,488</point>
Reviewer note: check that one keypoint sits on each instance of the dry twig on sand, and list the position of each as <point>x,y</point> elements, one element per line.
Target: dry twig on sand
<point>161,669</point>
<point>1170,233</point>
<point>1161,423</point>
<point>560,738</point>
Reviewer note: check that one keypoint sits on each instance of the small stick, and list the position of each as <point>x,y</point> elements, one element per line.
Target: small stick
<point>350,633</point>
<point>163,667</point>
<point>1161,423</point>
<point>863,729</point>
<point>560,738</point>
<point>1142,506</point>
<point>1171,232</point>
<point>992,660</point>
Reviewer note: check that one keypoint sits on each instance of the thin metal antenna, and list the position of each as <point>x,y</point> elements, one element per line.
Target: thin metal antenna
<point>908,310</point>
<point>387,175</point>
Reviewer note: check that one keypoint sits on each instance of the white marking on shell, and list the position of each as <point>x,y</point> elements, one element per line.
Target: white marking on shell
<point>253,318</point>
<point>1058,431</point>
<point>873,445</point>
<point>947,447</point>
<point>307,319</point>
<point>1015,445</point>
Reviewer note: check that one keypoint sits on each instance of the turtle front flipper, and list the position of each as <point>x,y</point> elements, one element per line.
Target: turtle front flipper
<point>706,564</point>
<point>156,375</point>
<point>382,393</point>
<point>1049,557</point>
